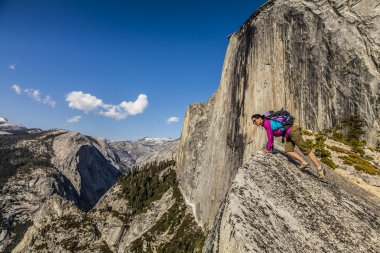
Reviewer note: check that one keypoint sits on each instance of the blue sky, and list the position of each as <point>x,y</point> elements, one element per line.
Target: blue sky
<point>117,69</point>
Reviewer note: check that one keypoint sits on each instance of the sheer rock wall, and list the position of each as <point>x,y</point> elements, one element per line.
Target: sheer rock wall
<point>318,59</point>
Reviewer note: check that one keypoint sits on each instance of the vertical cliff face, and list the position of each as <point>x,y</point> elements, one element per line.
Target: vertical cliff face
<point>318,59</point>
<point>88,163</point>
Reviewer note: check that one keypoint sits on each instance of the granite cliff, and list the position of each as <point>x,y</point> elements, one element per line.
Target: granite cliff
<point>54,178</point>
<point>36,166</point>
<point>272,206</point>
<point>143,212</point>
<point>318,59</point>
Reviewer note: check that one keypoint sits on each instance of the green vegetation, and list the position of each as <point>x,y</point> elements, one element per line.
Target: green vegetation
<point>310,143</point>
<point>319,149</point>
<point>307,133</point>
<point>75,224</point>
<point>143,186</point>
<point>356,160</point>
<point>15,157</point>
<point>186,235</point>
<point>320,145</point>
<point>40,247</point>
<point>104,248</point>
<point>338,149</point>
<point>73,227</point>
<point>359,163</point>
<point>18,231</point>
<point>70,244</point>
<point>350,132</point>
<point>140,187</point>
<point>188,238</point>
<point>329,162</point>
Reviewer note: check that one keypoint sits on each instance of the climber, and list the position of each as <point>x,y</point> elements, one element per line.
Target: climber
<point>293,137</point>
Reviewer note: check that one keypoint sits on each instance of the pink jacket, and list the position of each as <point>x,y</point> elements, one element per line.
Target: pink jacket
<point>279,132</point>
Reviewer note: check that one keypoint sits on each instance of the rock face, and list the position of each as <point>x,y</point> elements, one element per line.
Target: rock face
<point>22,196</point>
<point>135,153</point>
<point>34,167</point>
<point>273,207</point>
<point>318,59</point>
<point>89,163</point>
<point>72,230</point>
<point>143,212</point>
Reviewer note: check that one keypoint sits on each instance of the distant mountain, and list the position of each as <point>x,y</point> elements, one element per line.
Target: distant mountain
<point>145,150</point>
<point>37,165</point>
<point>8,128</point>
<point>33,167</point>
<point>144,212</point>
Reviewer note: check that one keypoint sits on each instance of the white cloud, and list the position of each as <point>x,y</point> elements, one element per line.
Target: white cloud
<point>136,107</point>
<point>124,109</point>
<point>82,101</point>
<point>113,112</point>
<point>87,102</point>
<point>172,120</point>
<point>12,66</point>
<point>74,119</point>
<point>16,89</point>
<point>49,101</point>
<point>35,94</point>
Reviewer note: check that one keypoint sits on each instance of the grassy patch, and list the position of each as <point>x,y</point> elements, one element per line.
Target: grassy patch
<point>329,162</point>
<point>339,149</point>
<point>356,160</point>
<point>307,133</point>
<point>360,164</point>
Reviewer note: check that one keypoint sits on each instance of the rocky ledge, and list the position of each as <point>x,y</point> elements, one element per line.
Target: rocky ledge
<point>272,206</point>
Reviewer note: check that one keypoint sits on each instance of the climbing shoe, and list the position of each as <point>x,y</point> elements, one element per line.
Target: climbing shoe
<point>321,172</point>
<point>303,166</point>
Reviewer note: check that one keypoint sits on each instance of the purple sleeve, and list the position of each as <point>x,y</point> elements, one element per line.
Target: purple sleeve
<point>268,128</point>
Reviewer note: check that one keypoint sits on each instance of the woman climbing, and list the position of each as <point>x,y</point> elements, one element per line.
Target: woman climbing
<point>293,138</point>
